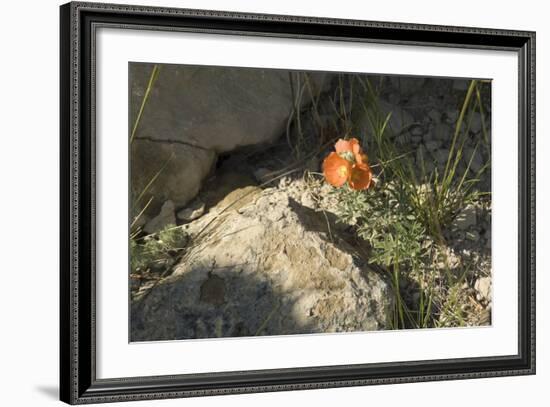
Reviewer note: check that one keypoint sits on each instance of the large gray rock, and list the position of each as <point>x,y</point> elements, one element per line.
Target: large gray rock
<point>218,108</point>
<point>264,265</point>
<point>195,113</point>
<point>167,172</point>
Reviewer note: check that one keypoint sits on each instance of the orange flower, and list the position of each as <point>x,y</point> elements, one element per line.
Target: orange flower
<point>350,149</point>
<point>361,176</point>
<point>348,164</point>
<point>337,170</point>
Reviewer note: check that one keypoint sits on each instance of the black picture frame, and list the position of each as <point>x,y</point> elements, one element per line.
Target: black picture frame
<point>78,382</point>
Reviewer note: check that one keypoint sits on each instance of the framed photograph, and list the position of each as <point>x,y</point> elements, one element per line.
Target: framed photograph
<point>255,203</point>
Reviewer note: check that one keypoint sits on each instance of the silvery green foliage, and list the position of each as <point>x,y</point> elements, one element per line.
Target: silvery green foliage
<point>384,218</point>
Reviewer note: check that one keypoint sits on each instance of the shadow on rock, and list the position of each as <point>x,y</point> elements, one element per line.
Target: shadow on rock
<point>210,302</point>
<point>265,268</point>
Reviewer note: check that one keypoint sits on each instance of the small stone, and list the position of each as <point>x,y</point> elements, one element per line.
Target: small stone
<point>165,217</point>
<point>472,235</point>
<point>284,182</point>
<point>416,130</point>
<point>433,145</point>
<point>442,132</point>
<point>448,259</point>
<point>476,122</point>
<point>466,218</point>
<point>441,156</point>
<point>451,116</point>
<point>428,243</point>
<point>435,116</point>
<point>459,236</point>
<point>483,287</point>
<point>192,211</point>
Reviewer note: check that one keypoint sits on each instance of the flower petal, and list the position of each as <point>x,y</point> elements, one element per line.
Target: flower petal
<point>361,158</point>
<point>336,169</point>
<point>361,177</point>
<point>355,147</point>
<point>344,146</point>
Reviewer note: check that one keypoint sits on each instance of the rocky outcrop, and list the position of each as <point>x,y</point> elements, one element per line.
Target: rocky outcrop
<point>261,263</point>
<point>194,113</point>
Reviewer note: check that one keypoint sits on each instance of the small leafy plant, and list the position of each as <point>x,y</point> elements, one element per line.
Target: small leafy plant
<point>158,252</point>
<point>386,222</point>
<point>397,240</point>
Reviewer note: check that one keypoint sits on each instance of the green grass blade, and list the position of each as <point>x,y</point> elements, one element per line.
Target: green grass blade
<point>152,79</point>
